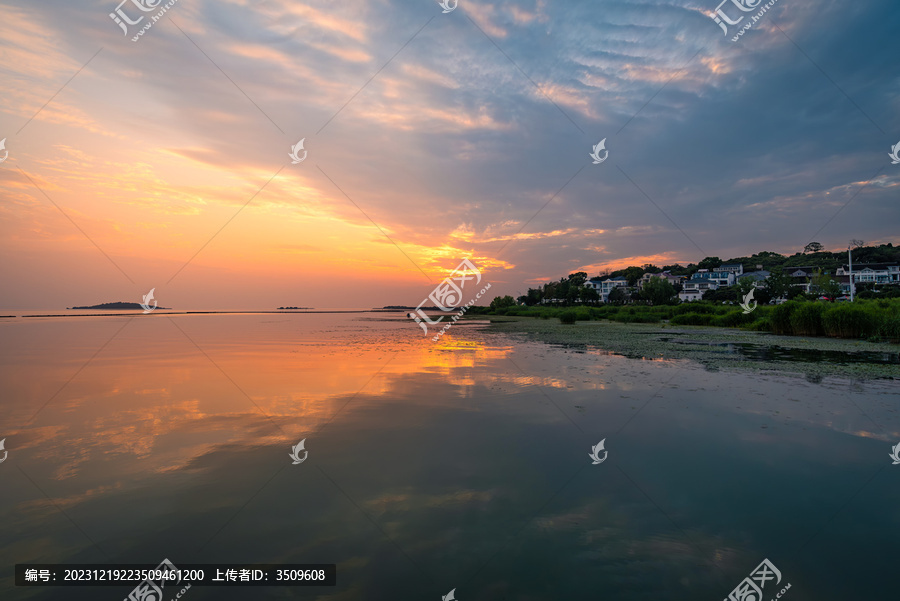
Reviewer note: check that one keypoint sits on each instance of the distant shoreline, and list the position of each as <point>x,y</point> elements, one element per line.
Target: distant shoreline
<point>116,306</point>
<point>124,313</point>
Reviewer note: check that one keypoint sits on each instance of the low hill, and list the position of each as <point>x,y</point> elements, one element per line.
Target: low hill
<point>120,305</point>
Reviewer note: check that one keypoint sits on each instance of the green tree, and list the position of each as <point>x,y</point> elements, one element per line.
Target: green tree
<point>533,297</point>
<point>778,283</point>
<point>795,292</point>
<point>762,296</point>
<point>577,279</point>
<point>502,303</point>
<point>589,295</point>
<point>633,274</point>
<point>813,247</point>
<point>550,292</point>
<point>562,288</point>
<point>676,269</point>
<point>823,284</point>
<point>658,291</point>
<point>745,285</point>
<point>616,295</point>
<point>721,295</point>
<point>709,263</point>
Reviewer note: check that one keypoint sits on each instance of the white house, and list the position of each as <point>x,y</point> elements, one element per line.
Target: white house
<point>719,278</point>
<point>704,280</point>
<point>759,277</point>
<point>665,275</point>
<point>800,272</point>
<point>801,276</point>
<point>736,268</point>
<point>879,273</point>
<point>604,287</point>
<point>693,289</point>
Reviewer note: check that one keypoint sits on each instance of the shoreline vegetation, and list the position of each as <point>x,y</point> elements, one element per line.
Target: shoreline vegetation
<point>871,320</point>
<point>814,338</point>
<point>715,348</point>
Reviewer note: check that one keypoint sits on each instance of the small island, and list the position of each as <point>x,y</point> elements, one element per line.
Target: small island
<point>294,308</point>
<point>406,308</point>
<point>120,305</point>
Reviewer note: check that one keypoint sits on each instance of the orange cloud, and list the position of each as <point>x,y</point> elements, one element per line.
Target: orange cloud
<point>658,259</point>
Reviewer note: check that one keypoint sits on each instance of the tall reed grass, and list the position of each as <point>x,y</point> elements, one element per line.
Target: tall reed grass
<point>873,319</point>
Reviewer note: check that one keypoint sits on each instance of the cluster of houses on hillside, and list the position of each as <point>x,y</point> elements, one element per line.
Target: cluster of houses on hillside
<point>875,273</point>
<point>692,289</point>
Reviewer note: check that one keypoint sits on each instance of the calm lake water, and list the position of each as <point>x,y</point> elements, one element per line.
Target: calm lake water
<point>462,464</point>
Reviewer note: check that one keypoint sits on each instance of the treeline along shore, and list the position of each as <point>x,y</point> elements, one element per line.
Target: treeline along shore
<point>872,320</point>
<point>850,294</point>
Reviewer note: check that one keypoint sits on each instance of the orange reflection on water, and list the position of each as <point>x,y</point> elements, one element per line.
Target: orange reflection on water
<point>157,398</point>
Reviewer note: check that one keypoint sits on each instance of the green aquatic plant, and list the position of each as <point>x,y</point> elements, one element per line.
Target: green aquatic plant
<point>568,317</point>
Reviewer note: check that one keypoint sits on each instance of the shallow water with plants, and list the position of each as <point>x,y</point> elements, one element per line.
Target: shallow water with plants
<point>458,465</point>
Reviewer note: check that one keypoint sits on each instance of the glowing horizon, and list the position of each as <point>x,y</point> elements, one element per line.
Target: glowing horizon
<point>164,163</point>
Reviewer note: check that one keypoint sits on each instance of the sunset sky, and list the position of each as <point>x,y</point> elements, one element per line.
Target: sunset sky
<point>431,137</point>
